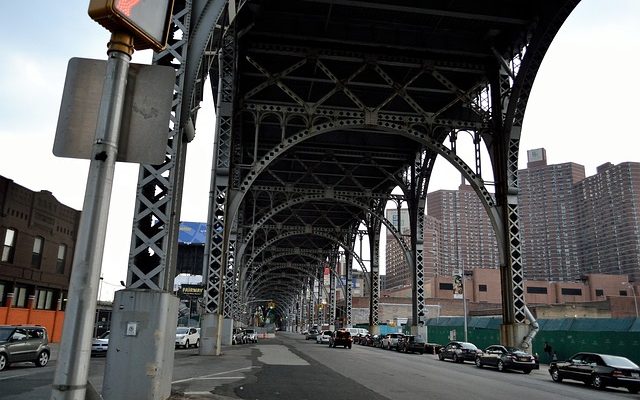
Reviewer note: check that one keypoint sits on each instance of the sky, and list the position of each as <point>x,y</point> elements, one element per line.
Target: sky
<point>582,108</point>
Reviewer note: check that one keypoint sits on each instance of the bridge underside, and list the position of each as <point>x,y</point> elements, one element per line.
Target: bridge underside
<point>323,107</point>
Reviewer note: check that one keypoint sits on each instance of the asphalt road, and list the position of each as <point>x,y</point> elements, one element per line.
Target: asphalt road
<point>289,367</point>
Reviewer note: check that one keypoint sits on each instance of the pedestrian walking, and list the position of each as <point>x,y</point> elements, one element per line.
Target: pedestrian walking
<point>549,350</point>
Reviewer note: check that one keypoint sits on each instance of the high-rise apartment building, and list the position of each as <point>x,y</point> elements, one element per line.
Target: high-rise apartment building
<point>570,225</point>
<point>398,273</point>
<point>460,224</point>
<point>608,221</point>
<point>547,218</point>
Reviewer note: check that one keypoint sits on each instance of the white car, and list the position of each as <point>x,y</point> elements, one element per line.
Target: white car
<point>187,336</point>
<point>251,335</point>
<point>324,337</point>
<point>390,341</point>
<point>100,345</point>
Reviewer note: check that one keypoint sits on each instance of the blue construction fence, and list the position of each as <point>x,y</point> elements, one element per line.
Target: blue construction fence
<point>566,336</point>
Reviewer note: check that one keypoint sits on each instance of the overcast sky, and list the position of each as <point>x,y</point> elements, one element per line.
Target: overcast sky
<point>583,107</point>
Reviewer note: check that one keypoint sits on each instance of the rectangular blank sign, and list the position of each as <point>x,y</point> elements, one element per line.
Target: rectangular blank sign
<point>146,114</point>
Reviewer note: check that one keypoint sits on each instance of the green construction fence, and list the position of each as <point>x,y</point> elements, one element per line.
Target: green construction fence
<point>567,336</point>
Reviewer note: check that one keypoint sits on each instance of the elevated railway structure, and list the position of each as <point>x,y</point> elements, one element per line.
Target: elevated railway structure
<point>323,108</point>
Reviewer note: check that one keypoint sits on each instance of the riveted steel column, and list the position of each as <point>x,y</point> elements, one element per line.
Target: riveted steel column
<point>218,225</point>
<point>348,289</point>
<point>374,246</point>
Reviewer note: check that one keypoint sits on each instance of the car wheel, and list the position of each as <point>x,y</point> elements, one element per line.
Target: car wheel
<point>478,362</point>
<point>633,390</point>
<point>186,344</point>
<point>441,356</point>
<point>197,343</point>
<point>43,359</point>
<point>455,358</point>
<point>555,375</point>
<point>596,382</point>
<point>500,366</point>
<point>3,361</point>
<point>526,371</point>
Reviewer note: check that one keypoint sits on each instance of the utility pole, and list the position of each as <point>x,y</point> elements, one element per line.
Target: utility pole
<point>71,376</point>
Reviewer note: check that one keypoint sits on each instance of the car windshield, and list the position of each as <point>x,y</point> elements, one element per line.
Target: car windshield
<point>327,333</point>
<point>5,333</point>
<point>514,350</point>
<point>249,331</point>
<point>104,335</point>
<point>470,346</point>
<point>182,331</point>
<point>618,362</point>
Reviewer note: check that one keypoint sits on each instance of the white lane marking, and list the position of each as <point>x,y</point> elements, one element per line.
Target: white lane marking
<point>11,377</point>
<point>221,377</point>
<point>279,355</point>
<point>211,375</point>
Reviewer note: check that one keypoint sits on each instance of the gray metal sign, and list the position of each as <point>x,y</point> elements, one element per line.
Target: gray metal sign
<point>146,115</point>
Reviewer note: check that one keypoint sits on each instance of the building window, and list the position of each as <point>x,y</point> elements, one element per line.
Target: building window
<point>446,286</point>
<point>62,256</point>
<point>44,298</point>
<point>623,293</point>
<point>571,292</point>
<point>20,297</point>
<point>482,288</point>
<point>36,254</point>
<point>599,292</point>
<point>9,248</point>
<point>536,290</point>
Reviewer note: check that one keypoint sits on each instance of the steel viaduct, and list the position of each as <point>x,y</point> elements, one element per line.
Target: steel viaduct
<point>323,108</point>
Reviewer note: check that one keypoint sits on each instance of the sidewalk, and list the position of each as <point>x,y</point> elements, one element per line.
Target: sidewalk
<point>197,377</point>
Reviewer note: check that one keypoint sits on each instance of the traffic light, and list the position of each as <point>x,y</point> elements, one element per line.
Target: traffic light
<point>147,21</point>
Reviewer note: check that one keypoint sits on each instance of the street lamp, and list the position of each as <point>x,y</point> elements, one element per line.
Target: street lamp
<point>633,291</point>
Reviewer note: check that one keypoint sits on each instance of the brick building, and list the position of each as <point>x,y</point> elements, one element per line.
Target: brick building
<point>38,236</point>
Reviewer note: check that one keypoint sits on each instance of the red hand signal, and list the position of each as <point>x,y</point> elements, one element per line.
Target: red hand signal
<point>125,6</point>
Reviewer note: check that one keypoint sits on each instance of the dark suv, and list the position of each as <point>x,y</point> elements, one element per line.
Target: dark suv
<point>23,343</point>
<point>340,337</point>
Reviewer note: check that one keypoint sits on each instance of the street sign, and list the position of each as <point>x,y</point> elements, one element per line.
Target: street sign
<point>147,20</point>
<point>146,113</point>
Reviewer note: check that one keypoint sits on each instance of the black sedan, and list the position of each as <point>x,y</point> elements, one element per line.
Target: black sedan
<point>459,352</point>
<point>411,344</point>
<point>598,370</point>
<point>503,358</point>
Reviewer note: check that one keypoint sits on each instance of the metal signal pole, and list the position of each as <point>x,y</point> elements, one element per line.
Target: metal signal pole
<point>71,376</point>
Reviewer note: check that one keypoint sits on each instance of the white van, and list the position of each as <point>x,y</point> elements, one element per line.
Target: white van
<point>357,333</point>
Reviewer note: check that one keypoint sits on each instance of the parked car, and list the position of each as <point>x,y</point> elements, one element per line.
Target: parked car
<point>459,352</point>
<point>324,337</point>
<point>432,348</point>
<point>251,335</point>
<point>357,334</point>
<point>312,334</point>
<point>238,336</point>
<point>24,343</point>
<point>390,341</point>
<point>341,337</point>
<point>100,345</point>
<point>503,358</point>
<point>187,336</point>
<point>598,370</point>
<point>376,340</point>
<point>366,340</point>
<point>411,344</point>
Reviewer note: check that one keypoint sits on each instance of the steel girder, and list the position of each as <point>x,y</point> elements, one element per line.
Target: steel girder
<point>156,218</point>
<point>345,96</point>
